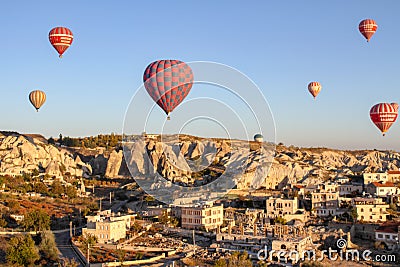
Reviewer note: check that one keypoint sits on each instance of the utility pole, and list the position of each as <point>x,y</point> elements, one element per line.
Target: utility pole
<point>194,243</point>
<point>88,261</point>
<point>70,229</point>
<point>80,216</point>
<point>110,197</point>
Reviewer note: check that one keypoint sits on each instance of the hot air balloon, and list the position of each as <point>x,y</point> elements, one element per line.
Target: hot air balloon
<point>395,106</point>
<point>61,38</point>
<point>314,88</point>
<point>258,138</point>
<point>383,115</point>
<point>37,98</point>
<point>168,82</point>
<point>367,27</point>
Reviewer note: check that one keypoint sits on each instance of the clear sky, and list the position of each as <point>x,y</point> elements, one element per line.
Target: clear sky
<point>280,45</point>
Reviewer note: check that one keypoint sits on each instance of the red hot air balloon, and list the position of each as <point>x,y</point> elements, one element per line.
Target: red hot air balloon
<point>61,38</point>
<point>395,106</point>
<point>367,28</point>
<point>314,88</point>
<point>383,115</point>
<point>168,82</point>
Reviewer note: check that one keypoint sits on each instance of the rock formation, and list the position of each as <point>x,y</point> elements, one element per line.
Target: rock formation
<point>192,160</point>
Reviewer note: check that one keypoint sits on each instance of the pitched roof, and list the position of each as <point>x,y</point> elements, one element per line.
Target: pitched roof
<point>389,227</point>
<point>387,184</point>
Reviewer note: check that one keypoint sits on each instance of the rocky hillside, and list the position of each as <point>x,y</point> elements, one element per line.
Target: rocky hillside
<point>192,161</point>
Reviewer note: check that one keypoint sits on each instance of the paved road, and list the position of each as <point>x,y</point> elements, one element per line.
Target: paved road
<point>63,244</point>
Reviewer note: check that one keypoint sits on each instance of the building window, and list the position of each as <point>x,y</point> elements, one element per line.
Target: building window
<point>380,236</point>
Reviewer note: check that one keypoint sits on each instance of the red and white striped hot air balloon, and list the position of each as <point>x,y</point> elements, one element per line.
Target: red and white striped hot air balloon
<point>367,27</point>
<point>61,38</point>
<point>395,106</point>
<point>314,88</point>
<point>37,98</point>
<point>383,115</point>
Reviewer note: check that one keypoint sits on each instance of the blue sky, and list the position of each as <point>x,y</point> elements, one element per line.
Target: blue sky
<point>280,45</point>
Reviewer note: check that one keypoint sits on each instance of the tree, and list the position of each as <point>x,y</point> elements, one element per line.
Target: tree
<point>353,214</point>
<point>121,256</point>
<point>57,188</point>
<point>36,220</point>
<point>14,206</point>
<point>48,246</point>
<point>70,191</point>
<point>51,141</point>
<point>35,173</point>
<point>88,241</point>
<point>311,264</point>
<point>136,227</point>
<point>163,218</point>
<point>393,207</point>
<point>21,250</point>
<point>280,220</point>
<point>220,263</point>
<point>41,188</point>
<point>238,259</point>
<point>66,262</point>
<point>3,222</point>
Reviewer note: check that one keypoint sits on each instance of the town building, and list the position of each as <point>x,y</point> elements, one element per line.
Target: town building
<point>283,249</point>
<point>393,176</point>
<point>273,237</point>
<point>380,189</point>
<point>287,209</point>
<point>375,177</point>
<point>325,200</point>
<point>350,188</point>
<point>107,227</point>
<point>204,216</point>
<point>277,207</point>
<point>370,209</point>
<point>388,234</point>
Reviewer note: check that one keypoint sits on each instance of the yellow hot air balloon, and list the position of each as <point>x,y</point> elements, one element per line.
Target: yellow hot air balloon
<point>37,98</point>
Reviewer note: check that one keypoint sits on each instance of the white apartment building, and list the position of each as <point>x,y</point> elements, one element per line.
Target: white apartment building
<point>325,203</point>
<point>380,189</point>
<point>107,227</point>
<point>389,234</point>
<point>349,188</point>
<point>370,209</point>
<point>206,216</point>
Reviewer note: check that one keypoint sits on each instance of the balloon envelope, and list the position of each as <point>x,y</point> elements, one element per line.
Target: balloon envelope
<point>314,88</point>
<point>395,106</point>
<point>61,38</point>
<point>37,98</point>
<point>367,27</point>
<point>258,138</point>
<point>383,115</point>
<point>168,82</point>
